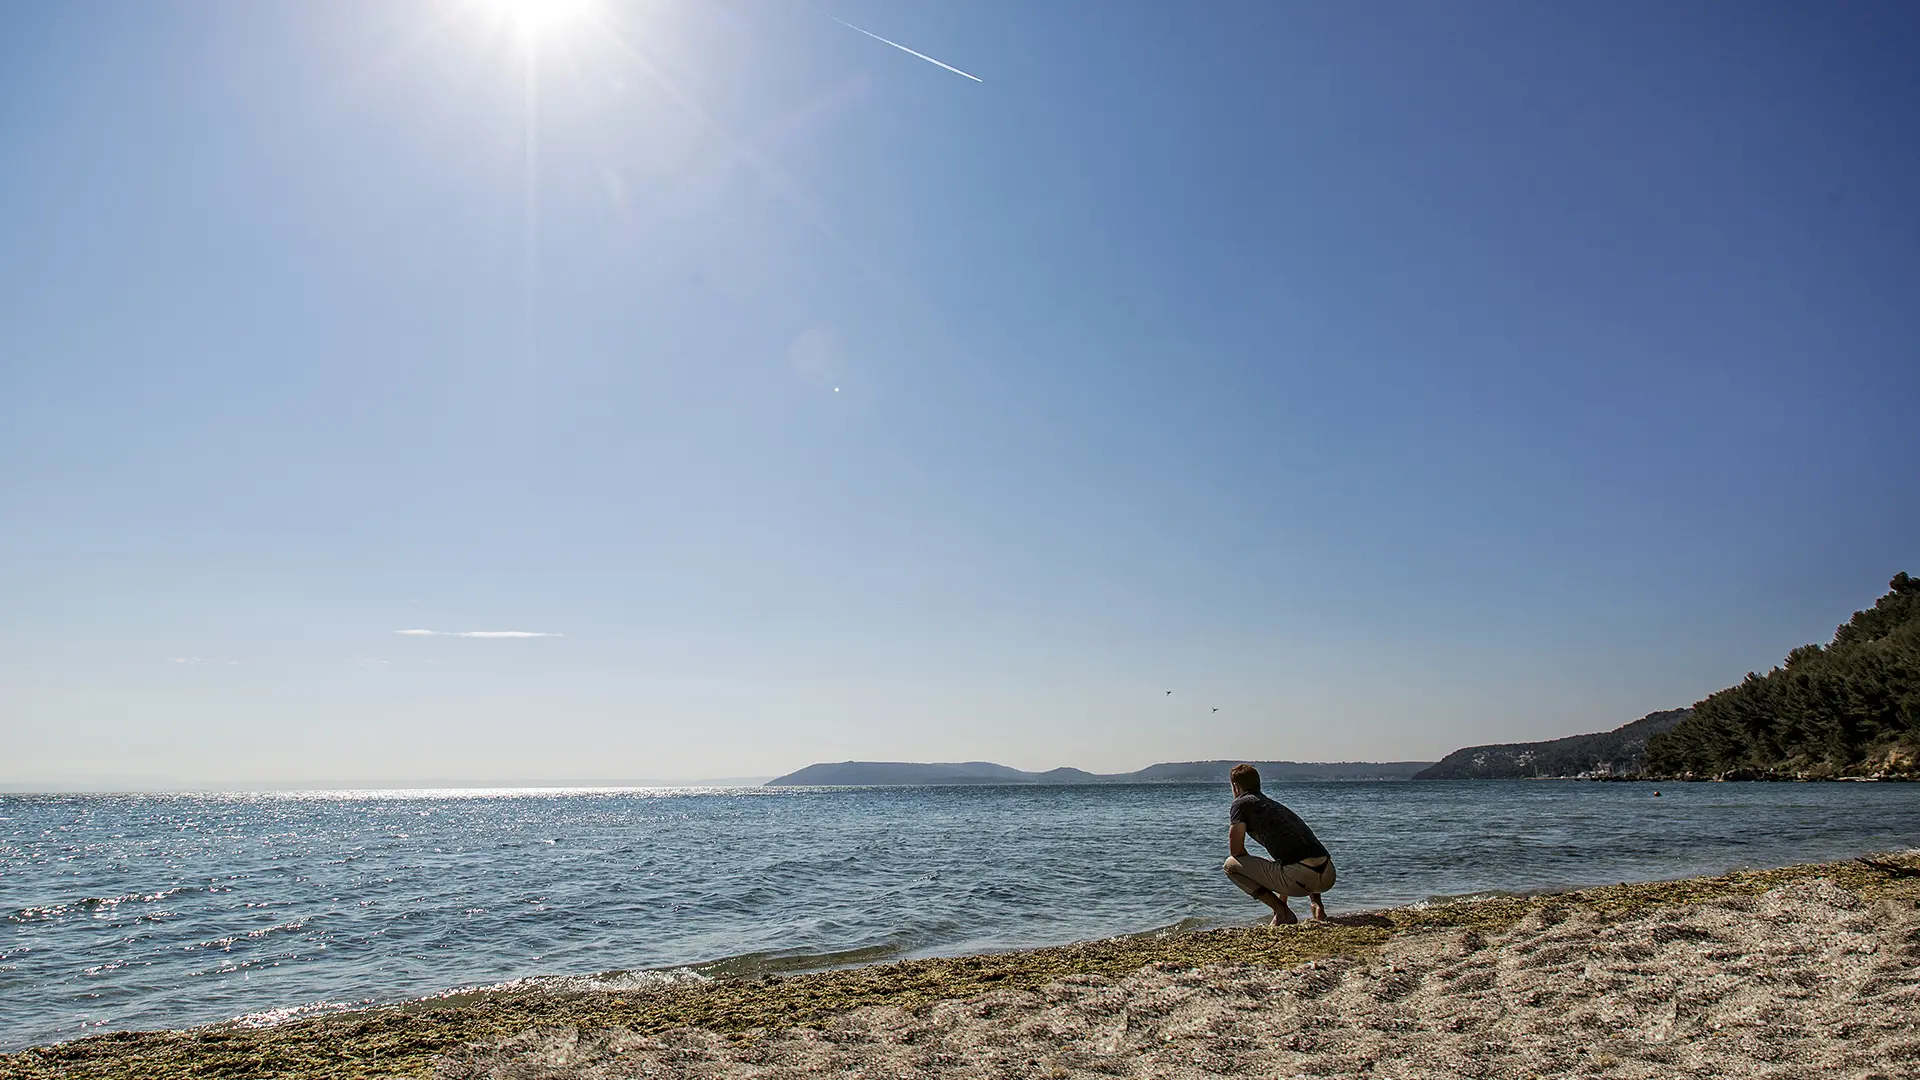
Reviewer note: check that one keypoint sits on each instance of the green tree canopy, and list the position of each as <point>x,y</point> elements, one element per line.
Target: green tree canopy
<point>1851,708</point>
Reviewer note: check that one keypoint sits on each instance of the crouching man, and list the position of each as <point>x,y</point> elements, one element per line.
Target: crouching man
<point>1300,866</point>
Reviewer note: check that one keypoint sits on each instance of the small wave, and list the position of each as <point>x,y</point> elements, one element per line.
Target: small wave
<point>244,966</point>
<point>606,981</point>
<point>1478,897</point>
<point>230,940</point>
<point>98,902</point>
<point>92,904</point>
<point>784,961</point>
<point>274,1017</point>
<point>551,984</point>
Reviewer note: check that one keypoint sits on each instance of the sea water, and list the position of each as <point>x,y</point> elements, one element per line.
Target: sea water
<point>147,911</point>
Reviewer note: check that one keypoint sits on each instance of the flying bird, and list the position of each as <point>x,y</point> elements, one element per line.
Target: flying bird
<point>904,49</point>
<point>1169,691</point>
<point>1216,708</point>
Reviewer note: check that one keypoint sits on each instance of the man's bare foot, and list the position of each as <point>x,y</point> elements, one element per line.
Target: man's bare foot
<point>1284,916</point>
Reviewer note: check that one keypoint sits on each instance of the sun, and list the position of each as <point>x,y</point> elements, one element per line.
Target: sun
<point>534,18</point>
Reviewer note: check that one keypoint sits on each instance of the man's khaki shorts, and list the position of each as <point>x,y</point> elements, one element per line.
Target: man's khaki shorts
<point>1304,878</point>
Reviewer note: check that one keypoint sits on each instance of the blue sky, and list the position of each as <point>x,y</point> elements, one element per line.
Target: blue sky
<point>1392,377</point>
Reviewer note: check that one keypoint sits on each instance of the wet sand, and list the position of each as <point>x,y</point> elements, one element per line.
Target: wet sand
<point>1798,972</point>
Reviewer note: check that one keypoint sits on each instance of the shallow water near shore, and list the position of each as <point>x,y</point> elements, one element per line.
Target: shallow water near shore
<point>131,911</point>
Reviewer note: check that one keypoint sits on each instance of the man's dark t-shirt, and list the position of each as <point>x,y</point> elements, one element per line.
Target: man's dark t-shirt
<point>1278,829</point>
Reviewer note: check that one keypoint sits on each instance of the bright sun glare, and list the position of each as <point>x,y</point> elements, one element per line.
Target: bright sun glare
<point>532,17</point>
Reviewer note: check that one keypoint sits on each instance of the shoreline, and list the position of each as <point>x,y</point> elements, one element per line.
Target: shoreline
<point>1750,776</point>
<point>435,1036</point>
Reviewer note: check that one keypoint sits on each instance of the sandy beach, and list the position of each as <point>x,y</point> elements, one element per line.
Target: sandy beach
<point>1802,971</point>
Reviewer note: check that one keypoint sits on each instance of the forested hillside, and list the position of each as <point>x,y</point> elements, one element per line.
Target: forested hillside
<point>1850,708</point>
<point>1619,752</point>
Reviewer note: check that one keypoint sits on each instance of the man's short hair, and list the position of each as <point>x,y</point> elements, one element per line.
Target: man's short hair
<point>1246,778</point>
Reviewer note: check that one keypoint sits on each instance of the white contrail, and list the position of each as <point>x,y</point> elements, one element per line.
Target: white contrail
<point>904,49</point>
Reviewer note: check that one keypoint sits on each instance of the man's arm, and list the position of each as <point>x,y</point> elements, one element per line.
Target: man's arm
<point>1237,840</point>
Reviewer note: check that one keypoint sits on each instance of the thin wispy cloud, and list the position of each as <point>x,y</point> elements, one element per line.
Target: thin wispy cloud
<point>476,633</point>
<point>904,49</point>
<point>200,660</point>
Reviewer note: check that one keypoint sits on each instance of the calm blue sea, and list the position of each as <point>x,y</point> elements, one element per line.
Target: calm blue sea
<point>147,911</point>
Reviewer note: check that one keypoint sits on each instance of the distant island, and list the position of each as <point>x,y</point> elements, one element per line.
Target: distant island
<point>1620,752</point>
<point>865,773</point>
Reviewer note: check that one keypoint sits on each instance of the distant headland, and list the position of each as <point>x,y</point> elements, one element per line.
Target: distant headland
<point>1848,710</point>
<point>864,773</point>
<point>1620,752</point>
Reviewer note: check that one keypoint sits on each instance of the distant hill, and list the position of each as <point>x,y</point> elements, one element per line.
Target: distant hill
<point>904,772</point>
<point>860,773</point>
<point>1183,772</point>
<point>1850,708</point>
<point>1618,752</point>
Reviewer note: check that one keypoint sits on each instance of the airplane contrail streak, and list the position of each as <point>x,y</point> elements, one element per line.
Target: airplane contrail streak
<point>904,49</point>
